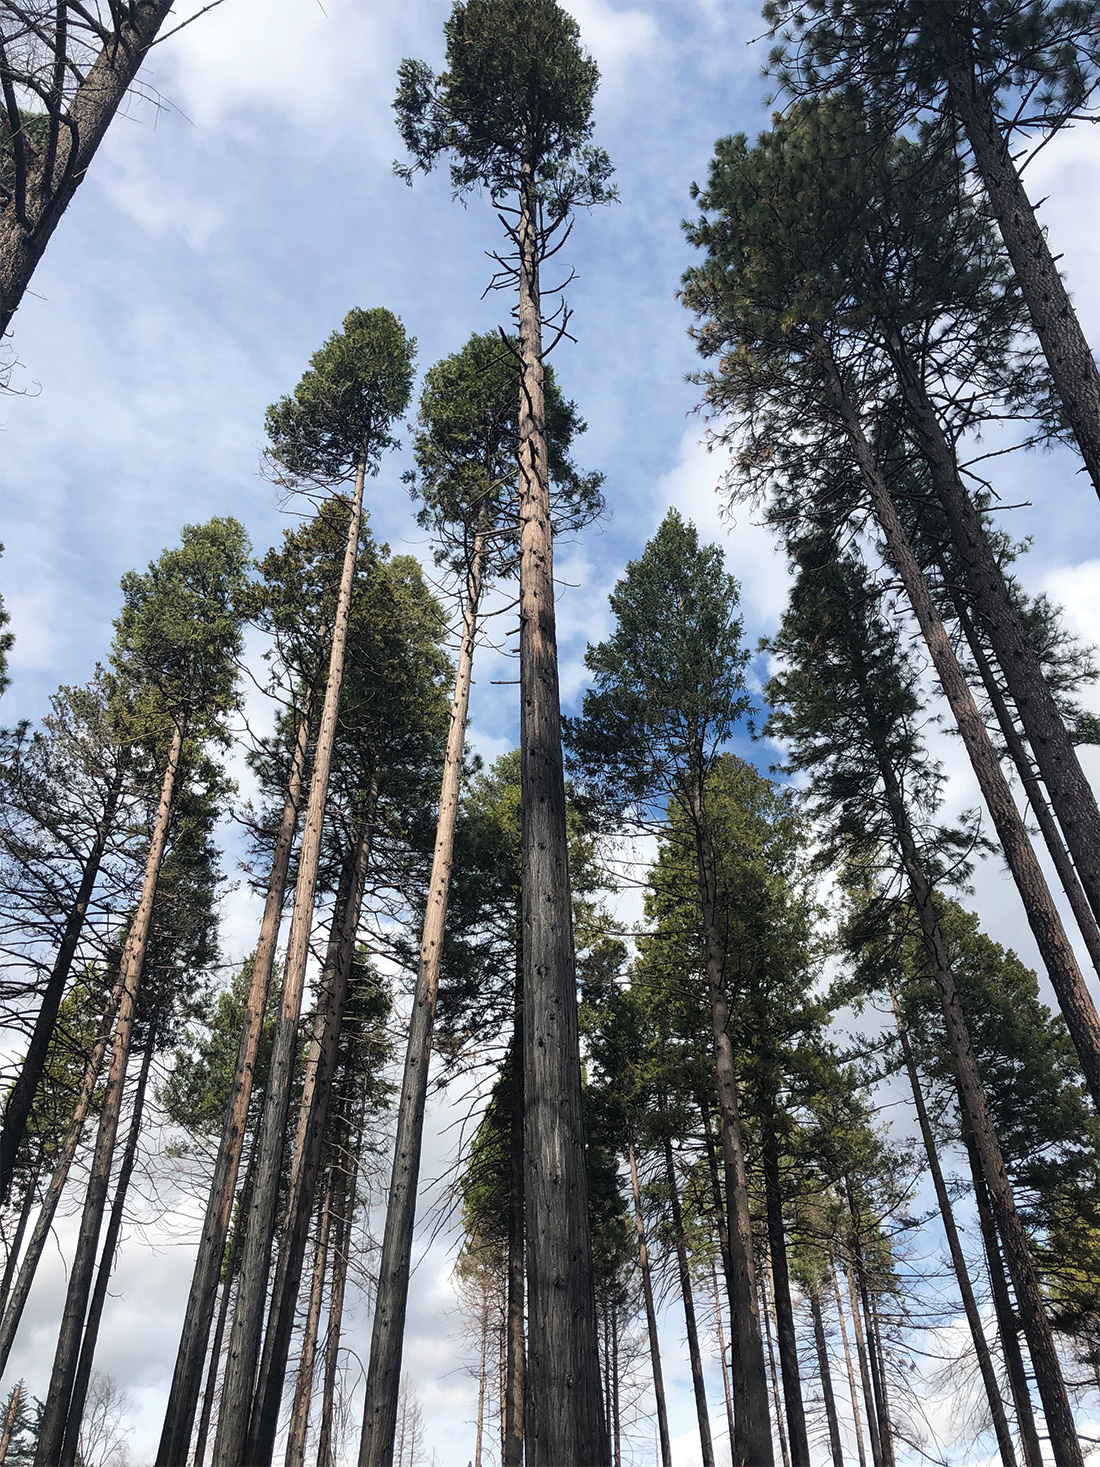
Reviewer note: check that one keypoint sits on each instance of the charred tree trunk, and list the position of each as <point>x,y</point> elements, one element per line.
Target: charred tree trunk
<point>784,1313</point>
<point>835,1449</point>
<point>694,1354</point>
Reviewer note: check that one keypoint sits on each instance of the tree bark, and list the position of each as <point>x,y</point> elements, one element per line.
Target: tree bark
<point>211,1392</point>
<point>52,1428</point>
<point>514,1377</point>
<point>9,1421</point>
<point>1046,925</point>
<point>303,1386</point>
<point>343,1223</point>
<point>721,1333</point>
<point>784,1313</point>
<point>183,1395</point>
<point>857,1281</point>
<point>877,1454</point>
<point>18,1107</point>
<point>651,1315</point>
<point>387,1335</point>
<point>244,1338</point>
<point>853,1392</point>
<point>695,1356</point>
<point>835,1449</point>
<point>30,1200</point>
<point>484,1323</point>
<point>777,1402</point>
<point>562,1408</point>
<point>45,189</point>
<point>1052,315</point>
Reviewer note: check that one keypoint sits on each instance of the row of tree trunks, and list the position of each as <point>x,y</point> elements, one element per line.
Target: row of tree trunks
<point>307,1358</point>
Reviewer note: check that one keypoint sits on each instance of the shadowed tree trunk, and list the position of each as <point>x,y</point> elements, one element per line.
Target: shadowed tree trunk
<point>777,1401</point>
<point>512,1411</point>
<point>650,1313</point>
<point>853,1390</point>
<point>720,1330</point>
<point>684,1270</point>
<point>30,1201</point>
<point>877,1455</point>
<point>230,1262</point>
<point>826,1376</point>
<point>784,1313</point>
<point>349,1177</point>
<point>303,1386</point>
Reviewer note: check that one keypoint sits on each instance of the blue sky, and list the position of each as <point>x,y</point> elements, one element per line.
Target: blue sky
<point>223,234</point>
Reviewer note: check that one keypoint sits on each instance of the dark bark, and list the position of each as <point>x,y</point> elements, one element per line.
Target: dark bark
<point>514,1352</point>
<point>349,1176</point>
<point>777,1402</point>
<point>862,1359</point>
<point>694,1354</point>
<point>562,1407</point>
<point>231,1261</point>
<point>835,1449</point>
<point>303,1385</point>
<point>727,1393</point>
<point>853,1391</point>
<point>52,1428</point>
<point>784,1312</point>
<point>857,1277</point>
<point>183,1395</point>
<point>30,1201</point>
<point>650,1313</point>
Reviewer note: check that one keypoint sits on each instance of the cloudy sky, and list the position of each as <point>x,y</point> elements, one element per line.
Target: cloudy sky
<point>229,222</point>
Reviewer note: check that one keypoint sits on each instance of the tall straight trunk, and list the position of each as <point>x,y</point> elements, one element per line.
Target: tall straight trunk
<point>303,1385</point>
<point>1052,315</point>
<point>562,1407</point>
<point>9,1421</point>
<point>777,1402</point>
<point>481,1372</point>
<point>513,1390</point>
<point>70,1447</point>
<point>30,1202</point>
<point>352,1147</point>
<point>13,1312</point>
<point>309,1139</point>
<point>853,1390</point>
<point>857,1284</point>
<point>1036,795</point>
<point>720,1330</point>
<point>52,1429</point>
<point>1007,1322</point>
<point>781,1292</point>
<point>694,1354</point>
<point>230,1262</point>
<point>616,1424</point>
<point>21,1098</point>
<point>183,1395</point>
<point>244,1337</point>
<point>865,1379</point>
<point>45,185</point>
<point>1071,795</point>
<point>874,1333</point>
<point>836,1451</point>
<point>752,1446</point>
<point>651,1315</point>
<point>387,1334</point>
<point>958,1258</point>
<point>716,1194</point>
<point>1042,915</point>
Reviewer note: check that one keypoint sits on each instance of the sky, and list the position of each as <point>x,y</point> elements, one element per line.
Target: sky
<point>241,206</point>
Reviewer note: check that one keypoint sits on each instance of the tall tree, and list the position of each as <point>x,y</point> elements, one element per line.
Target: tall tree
<point>514,111</point>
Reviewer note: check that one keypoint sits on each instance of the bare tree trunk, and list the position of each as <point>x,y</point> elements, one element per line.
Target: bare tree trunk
<point>781,1292</point>
<point>958,1258</point>
<point>21,1098</point>
<point>484,1323</point>
<point>753,1437</point>
<point>45,184</point>
<point>70,1448</point>
<point>563,1420</point>
<point>1056,325</point>
<point>1045,923</point>
<point>877,1455</point>
<point>343,1224</point>
<point>694,1354</point>
<point>244,1337</point>
<point>9,1421</point>
<point>835,1449</point>
<point>616,1425</point>
<point>211,1392</point>
<point>512,1407</point>
<point>650,1313</point>
<point>777,1402</point>
<point>52,1428</point>
<point>387,1335</point>
<point>857,1414</point>
<point>857,1285</point>
<point>303,1386</point>
<point>30,1201</point>
<point>310,1138</point>
<point>721,1332</point>
<point>183,1395</point>
<point>874,1333</point>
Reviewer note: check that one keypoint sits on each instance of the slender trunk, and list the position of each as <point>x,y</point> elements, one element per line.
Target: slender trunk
<point>230,1262</point>
<point>1052,315</point>
<point>52,1428</point>
<point>45,185</point>
<point>781,1292</point>
<point>309,1140</point>
<point>835,1449</point>
<point>30,1201</point>
<point>18,1107</point>
<point>1071,795</point>
<point>694,1353</point>
<point>1045,923</point>
<point>958,1258</point>
<point>481,1374</point>
<point>244,1337</point>
<point>716,1194</point>
<point>857,1281</point>
<point>721,1332</point>
<point>853,1391</point>
<point>69,1450</point>
<point>874,1332</point>
<point>562,1407</point>
<point>512,1409</point>
<point>387,1336</point>
<point>777,1403</point>
<point>877,1454</point>
<point>343,1223</point>
<point>303,1386</point>
<point>650,1312</point>
<point>9,1421</point>
<point>616,1426</point>
<point>753,1436</point>
<point>183,1395</point>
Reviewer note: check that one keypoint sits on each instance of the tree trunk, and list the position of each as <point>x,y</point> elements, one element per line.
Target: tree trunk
<point>784,1313</point>
<point>9,1421</point>
<point>70,1448</point>
<point>30,1201</point>
<point>43,190</point>
<point>387,1335</point>
<point>343,1223</point>
<point>1056,325</point>
<point>753,1437</point>
<point>835,1449</point>
<point>1046,925</point>
<point>183,1395</point>
<point>857,1284</point>
<point>303,1386</point>
<point>230,1262</point>
<point>853,1392</point>
<point>1070,793</point>
<point>650,1314</point>
<point>512,1409</point>
<point>244,1337</point>
<point>563,1420</point>
<point>694,1354</point>
<point>310,1139</point>
<point>721,1333</point>
<point>484,1323</point>
<point>18,1107</point>
<point>958,1258</point>
<point>777,1402</point>
<point>869,1402</point>
<point>52,1429</point>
